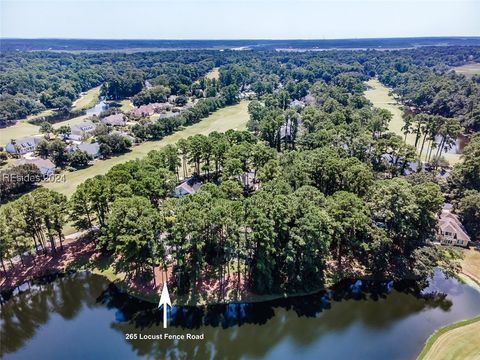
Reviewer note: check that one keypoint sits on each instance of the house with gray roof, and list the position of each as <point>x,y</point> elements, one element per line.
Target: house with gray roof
<point>45,166</point>
<point>23,145</point>
<point>189,186</point>
<point>114,120</point>
<point>77,131</point>
<point>92,149</point>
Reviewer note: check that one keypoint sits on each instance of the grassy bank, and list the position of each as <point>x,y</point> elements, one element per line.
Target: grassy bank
<point>380,96</point>
<point>460,340</point>
<point>471,264</point>
<point>23,128</point>
<point>87,99</point>
<point>232,117</point>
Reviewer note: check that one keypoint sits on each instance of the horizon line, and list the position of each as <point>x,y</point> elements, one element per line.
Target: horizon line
<point>247,39</point>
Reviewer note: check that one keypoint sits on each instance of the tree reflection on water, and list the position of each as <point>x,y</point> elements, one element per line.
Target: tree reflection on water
<point>231,331</point>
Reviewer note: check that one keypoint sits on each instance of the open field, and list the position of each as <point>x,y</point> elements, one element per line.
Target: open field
<point>87,99</point>
<point>20,129</point>
<point>471,264</point>
<point>213,74</point>
<point>233,117</point>
<point>73,121</point>
<point>379,95</point>
<point>126,105</point>
<point>468,70</point>
<point>23,129</point>
<point>456,341</point>
<point>47,112</point>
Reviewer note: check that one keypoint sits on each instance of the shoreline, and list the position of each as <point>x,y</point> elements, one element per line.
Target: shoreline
<point>79,254</point>
<point>436,344</point>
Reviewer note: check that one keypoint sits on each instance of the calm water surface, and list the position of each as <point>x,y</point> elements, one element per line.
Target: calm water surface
<point>97,109</point>
<point>82,316</point>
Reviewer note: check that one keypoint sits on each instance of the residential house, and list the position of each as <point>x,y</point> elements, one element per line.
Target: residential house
<point>23,145</point>
<point>287,131</point>
<point>168,115</point>
<point>124,135</point>
<point>114,120</point>
<point>172,99</point>
<point>162,106</point>
<point>189,186</point>
<point>451,230</point>
<point>249,95</point>
<point>143,111</point>
<point>309,100</point>
<point>297,104</point>
<point>78,131</point>
<point>45,166</point>
<point>92,149</point>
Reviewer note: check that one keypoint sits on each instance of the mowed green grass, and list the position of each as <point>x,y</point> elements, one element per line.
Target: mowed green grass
<point>73,121</point>
<point>87,99</point>
<point>456,341</point>
<point>213,74</point>
<point>24,129</point>
<point>232,117</point>
<point>20,129</point>
<point>468,70</point>
<point>380,96</point>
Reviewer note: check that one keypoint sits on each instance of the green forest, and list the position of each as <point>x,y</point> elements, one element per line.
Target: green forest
<point>316,190</point>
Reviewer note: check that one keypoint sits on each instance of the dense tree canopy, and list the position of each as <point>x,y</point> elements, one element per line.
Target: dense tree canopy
<point>315,190</point>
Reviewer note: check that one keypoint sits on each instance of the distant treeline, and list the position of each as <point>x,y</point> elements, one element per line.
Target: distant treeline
<point>98,45</point>
<point>422,78</point>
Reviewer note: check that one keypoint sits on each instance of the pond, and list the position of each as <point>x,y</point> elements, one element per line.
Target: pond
<point>456,148</point>
<point>82,316</point>
<point>97,109</point>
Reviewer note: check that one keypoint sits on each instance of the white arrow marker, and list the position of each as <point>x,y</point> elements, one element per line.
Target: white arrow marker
<point>164,300</point>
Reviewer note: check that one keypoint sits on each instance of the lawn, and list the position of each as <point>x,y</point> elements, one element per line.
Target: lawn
<point>456,341</point>
<point>232,117</point>
<point>468,70</point>
<point>471,264</point>
<point>87,99</point>
<point>21,129</point>
<point>72,121</point>
<point>126,105</point>
<point>213,74</point>
<point>379,95</point>
<point>43,113</point>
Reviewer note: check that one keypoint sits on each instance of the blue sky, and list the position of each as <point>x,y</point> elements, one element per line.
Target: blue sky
<point>234,19</point>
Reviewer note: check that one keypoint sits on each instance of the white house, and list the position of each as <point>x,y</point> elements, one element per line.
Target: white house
<point>187,187</point>
<point>45,166</point>
<point>452,231</point>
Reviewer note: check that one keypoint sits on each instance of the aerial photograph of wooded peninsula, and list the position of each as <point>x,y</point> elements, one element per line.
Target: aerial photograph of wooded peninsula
<point>240,179</point>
